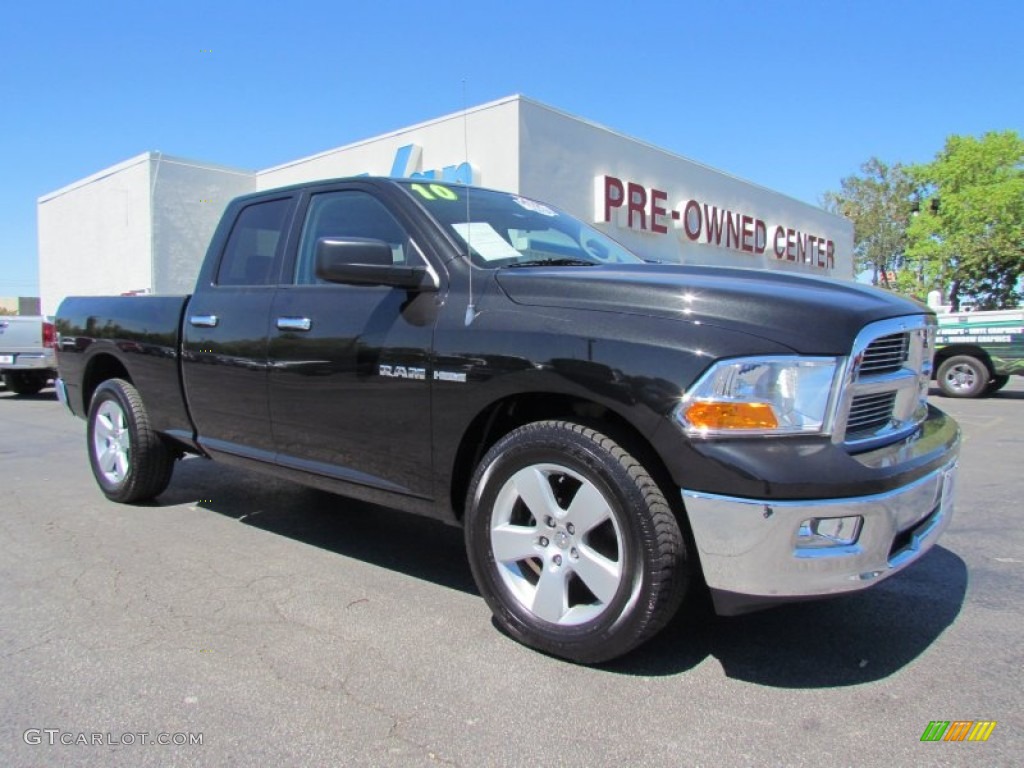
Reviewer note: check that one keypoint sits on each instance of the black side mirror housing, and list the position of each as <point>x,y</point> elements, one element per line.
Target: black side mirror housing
<point>362,261</point>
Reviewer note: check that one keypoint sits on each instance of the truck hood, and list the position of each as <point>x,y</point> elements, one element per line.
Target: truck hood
<point>807,314</point>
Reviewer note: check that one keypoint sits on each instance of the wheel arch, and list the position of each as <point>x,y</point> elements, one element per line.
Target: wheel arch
<point>504,415</point>
<point>101,368</point>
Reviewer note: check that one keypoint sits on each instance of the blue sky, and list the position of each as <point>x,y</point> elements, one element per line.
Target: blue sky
<point>790,95</point>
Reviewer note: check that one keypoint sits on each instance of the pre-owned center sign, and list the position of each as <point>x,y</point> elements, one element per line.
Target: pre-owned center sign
<point>647,209</point>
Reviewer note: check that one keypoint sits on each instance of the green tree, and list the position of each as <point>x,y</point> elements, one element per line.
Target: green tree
<point>967,237</point>
<point>879,203</point>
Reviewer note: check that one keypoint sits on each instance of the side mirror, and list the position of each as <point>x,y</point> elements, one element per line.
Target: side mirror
<point>361,261</point>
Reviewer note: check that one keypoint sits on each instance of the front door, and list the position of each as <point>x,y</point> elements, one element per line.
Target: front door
<point>348,386</point>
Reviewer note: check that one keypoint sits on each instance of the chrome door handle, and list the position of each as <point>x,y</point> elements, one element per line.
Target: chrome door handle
<point>204,321</point>
<point>294,323</point>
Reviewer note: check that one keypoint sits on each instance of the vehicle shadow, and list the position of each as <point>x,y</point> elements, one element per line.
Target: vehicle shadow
<point>842,641</point>
<point>47,394</point>
<point>410,544</point>
<point>1008,395</point>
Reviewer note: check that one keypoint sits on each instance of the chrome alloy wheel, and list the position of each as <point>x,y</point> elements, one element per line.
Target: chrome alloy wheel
<point>557,544</point>
<point>961,377</point>
<point>111,442</point>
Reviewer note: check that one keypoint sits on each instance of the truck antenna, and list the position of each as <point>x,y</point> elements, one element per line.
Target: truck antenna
<point>471,312</point>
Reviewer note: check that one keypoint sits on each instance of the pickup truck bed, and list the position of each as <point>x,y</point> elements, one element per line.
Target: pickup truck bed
<point>141,333</point>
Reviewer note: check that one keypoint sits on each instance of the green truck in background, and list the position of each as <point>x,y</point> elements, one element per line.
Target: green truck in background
<point>977,352</point>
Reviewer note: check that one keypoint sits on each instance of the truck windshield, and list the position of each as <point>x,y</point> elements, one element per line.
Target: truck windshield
<point>499,229</point>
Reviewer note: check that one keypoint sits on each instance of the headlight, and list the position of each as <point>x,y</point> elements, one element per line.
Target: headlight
<point>761,396</point>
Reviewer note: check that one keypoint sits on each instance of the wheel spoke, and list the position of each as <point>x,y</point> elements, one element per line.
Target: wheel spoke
<point>601,575</point>
<point>122,464</point>
<point>551,600</point>
<point>512,543</point>
<point>533,487</point>
<point>108,459</point>
<point>104,428</point>
<point>588,509</point>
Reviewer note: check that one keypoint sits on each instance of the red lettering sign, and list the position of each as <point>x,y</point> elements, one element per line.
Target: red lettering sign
<point>692,222</point>
<point>647,211</point>
<point>658,211</point>
<point>637,204</point>
<point>613,196</point>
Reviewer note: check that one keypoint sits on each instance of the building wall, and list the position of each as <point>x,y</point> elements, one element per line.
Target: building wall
<point>485,136</point>
<point>567,161</point>
<point>29,305</point>
<point>95,235</point>
<point>188,200</point>
<point>140,226</point>
<point>520,145</point>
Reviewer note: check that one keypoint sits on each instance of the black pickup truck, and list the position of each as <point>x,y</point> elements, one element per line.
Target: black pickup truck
<point>610,433</point>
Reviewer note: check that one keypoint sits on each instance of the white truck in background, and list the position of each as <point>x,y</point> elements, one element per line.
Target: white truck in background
<point>27,360</point>
<point>977,352</point>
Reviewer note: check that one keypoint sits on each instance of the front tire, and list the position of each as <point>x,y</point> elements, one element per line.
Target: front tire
<point>129,460</point>
<point>963,376</point>
<point>572,543</point>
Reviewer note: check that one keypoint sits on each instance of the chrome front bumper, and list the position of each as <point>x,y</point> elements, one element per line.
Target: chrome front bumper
<point>754,549</point>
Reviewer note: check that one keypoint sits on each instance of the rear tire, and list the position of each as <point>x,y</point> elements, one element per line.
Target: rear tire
<point>572,543</point>
<point>129,460</point>
<point>24,382</point>
<point>963,376</point>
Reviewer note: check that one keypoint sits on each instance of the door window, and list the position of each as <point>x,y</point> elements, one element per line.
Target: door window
<point>347,214</point>
<point>250,255</point>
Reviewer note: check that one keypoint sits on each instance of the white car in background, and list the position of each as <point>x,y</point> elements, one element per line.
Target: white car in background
<point>27,360</point>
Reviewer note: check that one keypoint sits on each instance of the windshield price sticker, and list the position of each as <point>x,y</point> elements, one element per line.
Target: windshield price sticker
<point>486,241</point>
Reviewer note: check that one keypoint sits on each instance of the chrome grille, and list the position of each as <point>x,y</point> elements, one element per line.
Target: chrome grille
<point>869,413</point>
<point>886,354</point>
<point>885,388</point>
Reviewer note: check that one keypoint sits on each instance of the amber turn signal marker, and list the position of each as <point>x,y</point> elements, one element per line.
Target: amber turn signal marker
<point>718,416</point>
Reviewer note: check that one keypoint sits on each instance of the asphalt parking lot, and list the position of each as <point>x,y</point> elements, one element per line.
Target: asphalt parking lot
<point>283,626</point>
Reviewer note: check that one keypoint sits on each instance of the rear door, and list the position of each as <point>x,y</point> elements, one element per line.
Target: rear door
<point>224,355</point>
<point>349,384</point>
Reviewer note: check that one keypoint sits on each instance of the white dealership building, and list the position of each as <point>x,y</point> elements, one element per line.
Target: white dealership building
<point>142,226</point>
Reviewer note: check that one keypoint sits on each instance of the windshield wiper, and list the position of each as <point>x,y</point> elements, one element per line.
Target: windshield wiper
<point>553,263</point>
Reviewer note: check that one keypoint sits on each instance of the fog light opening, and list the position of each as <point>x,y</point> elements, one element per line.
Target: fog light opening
<point>822,532</point>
